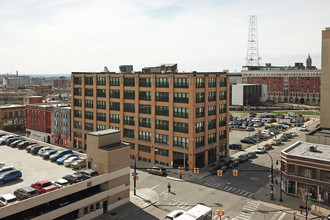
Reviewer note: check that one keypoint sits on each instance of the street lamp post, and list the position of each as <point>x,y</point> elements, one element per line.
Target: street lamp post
<point>281,200</point>
<point>134,176</point>
<point>272,176</point>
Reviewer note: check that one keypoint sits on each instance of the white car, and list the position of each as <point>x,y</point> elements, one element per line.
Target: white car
<point>303,128</point>
<point>260,150</point>
<point>60,183</point>
<point>7,199</point>
<point>68,161</point>
<point>175,214</point>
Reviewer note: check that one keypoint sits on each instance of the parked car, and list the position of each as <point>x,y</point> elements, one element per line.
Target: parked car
<point>59,154</point>
<point>303,128</point>
<point>233,162</point>
<point>89,173</point>
<point>293,134</point>
<point>3,139</point>
<point>11,140</point>
<point>283,138</point>
<point>6,168</point>
<point>66,156</point>
<point>28,148</point>
<point>174,214</point>
<point>157,170</point>
<point>268,146</point>
<point>317,125</point>
<point>252,114</point>
<point>79,163</point>
<point>247,141</point>
<point>243,157</point>
<point>251,155</point>
<point>43,150</point>
<point>73,178</point>
<point>44,186</point>
<point>68,161</point>
<point>249,129</point>
<point>25,193</point>
<point>35,149</point>
<point>235,146</point>
<point>23,144</point>
<point>60,183</point>
<point>47,154</point>
<point>260,150</point>
<point>15,143</point>
<point>2,134</point>
<point>276,141</point>
<point>7,199</point>
<point>10,175</point>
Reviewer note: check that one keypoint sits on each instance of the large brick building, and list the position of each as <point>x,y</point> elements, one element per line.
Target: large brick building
<point>166,116</point>
<point>292,84</point>
<point>12,117</point>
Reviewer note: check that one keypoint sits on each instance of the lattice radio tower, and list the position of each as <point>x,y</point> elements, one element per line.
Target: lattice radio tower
<point>252,58</point>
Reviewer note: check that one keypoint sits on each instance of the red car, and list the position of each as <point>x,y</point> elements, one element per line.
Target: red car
<point>268,146</point>
<point>44,186</point>
<point>252,114</point>
<point>28,148</point>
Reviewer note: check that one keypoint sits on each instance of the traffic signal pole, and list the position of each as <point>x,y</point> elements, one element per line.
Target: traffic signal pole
<point>134,176</point>
<point>272,177</point>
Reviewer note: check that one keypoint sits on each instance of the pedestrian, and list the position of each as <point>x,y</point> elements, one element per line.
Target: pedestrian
<point>169,187</point>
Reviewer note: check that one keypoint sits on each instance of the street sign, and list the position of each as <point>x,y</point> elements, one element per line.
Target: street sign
<point>134,174</point>
<point>271,184</point>
<point>309,202</point>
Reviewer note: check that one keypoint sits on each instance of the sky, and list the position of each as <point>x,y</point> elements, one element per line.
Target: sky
<point>64,36</point>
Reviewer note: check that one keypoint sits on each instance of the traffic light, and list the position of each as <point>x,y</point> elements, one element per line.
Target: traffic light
<point>219,172</point>
<point>222,212</point>
<point>235,172</point>
<point>196,170</point>
<point>218,212</point>
<point>180,169</point>
<point>135,178</point>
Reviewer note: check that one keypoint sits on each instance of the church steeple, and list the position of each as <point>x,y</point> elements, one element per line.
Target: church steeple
<point>308,61</point>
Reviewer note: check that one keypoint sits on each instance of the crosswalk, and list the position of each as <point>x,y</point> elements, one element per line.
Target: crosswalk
<point>278,215</point>
<point>248,210</point>
<point>173,202</point>
<point>230,189</point>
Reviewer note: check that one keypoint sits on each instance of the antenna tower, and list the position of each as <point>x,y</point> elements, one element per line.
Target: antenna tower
<point>252,58</point>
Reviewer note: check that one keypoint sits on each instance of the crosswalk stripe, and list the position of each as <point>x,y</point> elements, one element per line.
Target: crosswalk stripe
<point>283,214</point>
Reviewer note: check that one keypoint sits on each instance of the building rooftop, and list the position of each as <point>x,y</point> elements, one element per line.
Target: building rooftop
<point>50,104</point>
<point>103,132</point>
<point>320,132</point>
<point>304,149</point>
<point>12,106</point>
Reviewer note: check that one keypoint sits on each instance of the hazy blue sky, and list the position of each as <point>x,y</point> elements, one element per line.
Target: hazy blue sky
<point>63,36</point>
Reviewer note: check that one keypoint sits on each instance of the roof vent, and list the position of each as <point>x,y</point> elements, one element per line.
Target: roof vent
<point>312,148</point>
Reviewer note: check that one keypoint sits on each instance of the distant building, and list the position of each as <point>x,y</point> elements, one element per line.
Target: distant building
<point>12,118</point>
<point>291,84</point>
<point>307,166</point>
<point>235,78</point>
<point>15,96</point>
<point>15,81</point>
<point>41,89</point>
<point>39,120</point>
<point>62,82</point>
<point>61,133</point>
<point>247,94</point>
<point>36,81</point>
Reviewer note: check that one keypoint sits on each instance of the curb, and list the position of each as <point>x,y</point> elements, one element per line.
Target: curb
<point>175,179</point>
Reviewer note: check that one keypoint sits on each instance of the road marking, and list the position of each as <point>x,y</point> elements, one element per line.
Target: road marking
<point>217,185</point>
<point>248,210</point>
<point>283,214</point>
<point>154,187</point>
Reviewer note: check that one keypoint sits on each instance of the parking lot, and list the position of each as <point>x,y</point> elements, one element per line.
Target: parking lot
<point>33,168</point>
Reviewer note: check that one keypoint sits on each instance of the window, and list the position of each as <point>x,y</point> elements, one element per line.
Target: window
<point>145,95</point>
<point>199,112</point>
<point>180,142</point>
<point>129,120</point>
<point>199,142</point>
<point>212,124</point>
<point>180,127</point>
<point>88,80</point>
<point>181,97</point>
<point>115,106</point>
<point>199,127</point>
<point>200,82</point>
<point>161,152</point>
<point>199,97</point>
<point>222,121</point>
<point>145,82</point>
<point>162,82</point>
<point>222,135</point>
<point>114,118</point>
<point>222,108</point>
<point>162,110</point>
<point>88,126</point>
<point>129,81</point>
<point>114,81</point>
<point>212,82</point>
<point>89,115</point>
<point>162,124</point>
<point>77,91</point>
<point>101,105</point>
<point>212,138</point>
<point>100,127</point>
<point>161,139</point>
<point>101,116</point>
<point>307,172</point>
<point>89,92</point>
<point>77,113</point>
<point>101,93</point>
<point>129,107</point>
<point>222,95</point>
<point>223,82</point>
<point>291,169</point>
<point>89,103</point>
<point>129,133</point>
<point>181,83</point>
<point>129,94</point>
<point>181,112</point>
<point>144,148</point>
<point>131,146</point>
<point>145,122</point>
<point>144,109</point>
<point>115,93</point>
<point>162,96</point>
<point>144,135</point>
<point>77,124</point>
<point>77,134</point>
<point>101,81</point>
<point>325,176</point>
<point>212,96</point>
<point>77,80</point>
<point>212,110</point>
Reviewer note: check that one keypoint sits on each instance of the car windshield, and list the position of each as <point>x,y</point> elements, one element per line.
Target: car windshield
<point>12,200</point>
<point>47,184</point>
<point>260,148</point>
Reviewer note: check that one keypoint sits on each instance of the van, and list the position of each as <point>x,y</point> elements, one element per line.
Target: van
<point>175,214</point>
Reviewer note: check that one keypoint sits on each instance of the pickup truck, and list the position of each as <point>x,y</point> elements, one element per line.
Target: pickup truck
<point>44,186</point>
